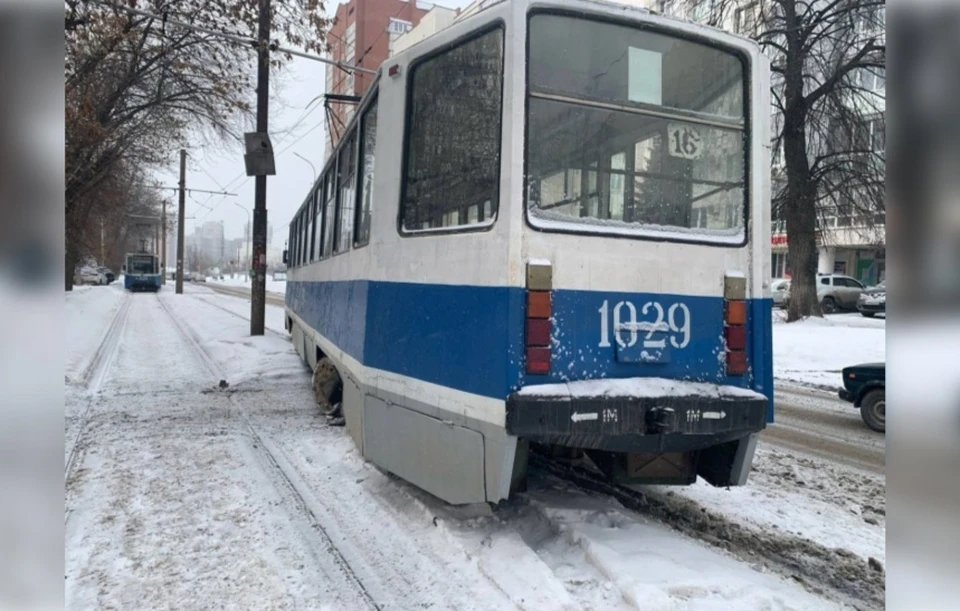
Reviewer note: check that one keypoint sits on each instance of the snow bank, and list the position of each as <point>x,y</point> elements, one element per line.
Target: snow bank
<point>638,388</point>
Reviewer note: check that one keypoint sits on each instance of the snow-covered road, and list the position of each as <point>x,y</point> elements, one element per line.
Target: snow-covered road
<point>182,492</point>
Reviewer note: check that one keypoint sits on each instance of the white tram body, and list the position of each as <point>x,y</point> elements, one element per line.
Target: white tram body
<point>473,264</point>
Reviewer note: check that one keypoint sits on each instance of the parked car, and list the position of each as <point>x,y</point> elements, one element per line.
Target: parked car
<point>837,292</point>
<point>109,275</point>
<point>780,288</point>
<point>89,275</point>
<point>865,386</point>
<point>873,300</point>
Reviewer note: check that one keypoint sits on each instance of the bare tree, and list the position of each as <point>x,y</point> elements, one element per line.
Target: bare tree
<point>138,87</point>
<point>828,61</point>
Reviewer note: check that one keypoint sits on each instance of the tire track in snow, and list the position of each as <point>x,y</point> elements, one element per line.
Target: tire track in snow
<point>282,475</point>
<point>94,375</point>
<point>814,422</point>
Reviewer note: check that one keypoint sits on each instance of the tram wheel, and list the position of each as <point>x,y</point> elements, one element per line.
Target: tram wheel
<point>327,386</point>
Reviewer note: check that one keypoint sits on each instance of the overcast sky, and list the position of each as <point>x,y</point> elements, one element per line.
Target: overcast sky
<point>221,168</point>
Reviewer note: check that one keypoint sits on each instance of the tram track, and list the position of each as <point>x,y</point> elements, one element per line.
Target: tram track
<point>271,298</point>
<point>819,569</point>
<point>94,376</point>
<point>240,316</point>
<point>285,478</point>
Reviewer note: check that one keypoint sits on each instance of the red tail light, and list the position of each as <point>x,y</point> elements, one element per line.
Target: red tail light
<point>538,325</point>
<point>735,323</point>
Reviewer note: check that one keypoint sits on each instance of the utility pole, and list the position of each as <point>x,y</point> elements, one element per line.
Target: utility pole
<point>181,220</point>
<point>163,243</point>
<point>258,288</point>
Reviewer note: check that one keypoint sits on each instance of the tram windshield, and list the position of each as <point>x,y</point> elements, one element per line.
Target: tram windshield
<point>634,132</point>
<point>140,264</point>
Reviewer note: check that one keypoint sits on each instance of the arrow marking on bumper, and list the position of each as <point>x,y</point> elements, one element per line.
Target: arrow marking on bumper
<point>578,417</point>
<point>714,415</point>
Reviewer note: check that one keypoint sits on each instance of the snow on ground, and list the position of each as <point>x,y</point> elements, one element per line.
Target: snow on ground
<point>180,494</point>
<point>790,494</point>
<point>815,350</point>
<point>89,310</point>
<point>273,286</point>
<point>654,568</point>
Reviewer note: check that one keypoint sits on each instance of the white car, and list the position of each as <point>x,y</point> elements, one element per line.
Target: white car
<point>780,289</point>
<point>90,275</point>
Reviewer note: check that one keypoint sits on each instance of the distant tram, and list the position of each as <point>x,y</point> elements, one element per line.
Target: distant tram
<point>548,224</point>
<point>141,272</point>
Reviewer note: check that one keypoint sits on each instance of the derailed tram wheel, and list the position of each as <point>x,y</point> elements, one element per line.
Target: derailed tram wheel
<point>327,388</point>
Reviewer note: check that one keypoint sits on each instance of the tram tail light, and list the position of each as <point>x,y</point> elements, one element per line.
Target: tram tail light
<point>735,323</point>
<point>538,323</point>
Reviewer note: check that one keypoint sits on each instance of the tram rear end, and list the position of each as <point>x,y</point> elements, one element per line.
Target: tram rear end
<point>142,272</point>
<point>647,323</point>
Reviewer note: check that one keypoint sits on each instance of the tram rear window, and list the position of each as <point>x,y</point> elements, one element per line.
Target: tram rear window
<point>633,132</point>
<point>140,265</point>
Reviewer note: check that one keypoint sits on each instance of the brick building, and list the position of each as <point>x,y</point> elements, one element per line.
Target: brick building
<point>362,34</point>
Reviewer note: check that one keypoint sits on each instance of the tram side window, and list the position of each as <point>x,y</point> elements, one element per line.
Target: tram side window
<point>347,172</point>
<point>452,170</point>
<point>328,212</point>
<point>368,145</point>
<point>317,221</point>
<point>311,229</point>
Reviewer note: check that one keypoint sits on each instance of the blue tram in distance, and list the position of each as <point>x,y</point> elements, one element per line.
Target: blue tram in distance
<point>141,272</point>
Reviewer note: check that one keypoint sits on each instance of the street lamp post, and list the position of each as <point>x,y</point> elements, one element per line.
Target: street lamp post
<point>310,164</point>
<point>247,240</point>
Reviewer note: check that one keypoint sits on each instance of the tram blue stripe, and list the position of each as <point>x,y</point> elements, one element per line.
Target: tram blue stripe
<point>471,338</point>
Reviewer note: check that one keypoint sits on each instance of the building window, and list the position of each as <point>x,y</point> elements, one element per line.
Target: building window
<point>748,19</point>
<point>399,26</point>
<point>700,11</point>
<point>329,209</point>
<point>347,170</point>
<point>368,145</point>
<point>452,149</point>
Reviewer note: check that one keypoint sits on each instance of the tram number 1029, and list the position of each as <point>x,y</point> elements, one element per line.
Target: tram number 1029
<point>653,332</point>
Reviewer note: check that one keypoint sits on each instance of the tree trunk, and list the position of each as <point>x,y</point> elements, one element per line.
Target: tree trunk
<point>70,262</point>
<point>801,212</point>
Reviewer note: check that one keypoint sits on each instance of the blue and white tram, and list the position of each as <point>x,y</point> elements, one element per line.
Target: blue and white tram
<point>141,272</point>
<point>549,224</point>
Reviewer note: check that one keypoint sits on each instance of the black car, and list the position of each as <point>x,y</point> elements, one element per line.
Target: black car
<point>865,387</point>
<point>873,300</point>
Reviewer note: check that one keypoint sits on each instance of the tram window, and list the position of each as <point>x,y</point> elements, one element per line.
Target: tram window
<point>318,221</point>
<point>329,211</point>
<point>311,227</point>
<point>634,132</point>
<point>347,173</point>
<point>368,144</point>
<point>452,151</point>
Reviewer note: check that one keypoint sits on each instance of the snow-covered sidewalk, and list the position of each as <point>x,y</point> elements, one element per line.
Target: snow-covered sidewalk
<point>185,492</point>
<point>814,351</point>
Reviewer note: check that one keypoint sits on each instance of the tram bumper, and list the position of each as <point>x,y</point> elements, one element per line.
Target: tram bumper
<point>688,429</point>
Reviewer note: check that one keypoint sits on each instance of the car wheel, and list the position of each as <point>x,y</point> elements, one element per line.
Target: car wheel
<point>873,410</point>
<point>828,305</point>
<point>867,314</point>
